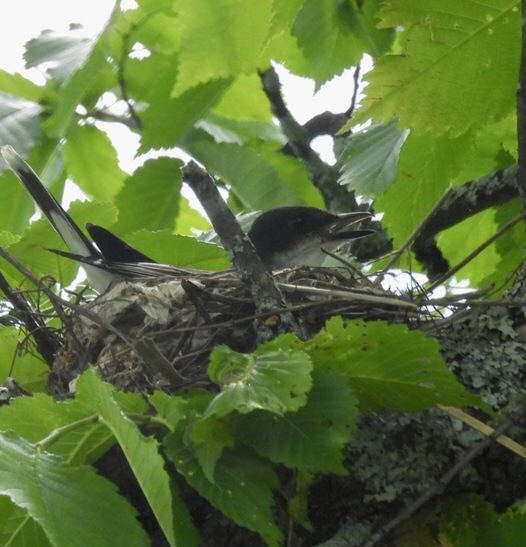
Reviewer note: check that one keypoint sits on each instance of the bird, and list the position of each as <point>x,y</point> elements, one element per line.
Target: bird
<point>283,237</point>
<point>295,235</point>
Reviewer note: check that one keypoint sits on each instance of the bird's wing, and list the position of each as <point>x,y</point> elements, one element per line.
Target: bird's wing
<point>72,235</point>
<point>133,270</point>
<point>113,248</point>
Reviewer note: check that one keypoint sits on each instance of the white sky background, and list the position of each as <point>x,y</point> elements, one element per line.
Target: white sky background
<point>25,19</point>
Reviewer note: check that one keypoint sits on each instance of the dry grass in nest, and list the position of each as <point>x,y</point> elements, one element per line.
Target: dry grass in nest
<point>158,335</point>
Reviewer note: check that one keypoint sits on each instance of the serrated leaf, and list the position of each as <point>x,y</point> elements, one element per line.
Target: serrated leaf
<point>63,53</point>
<point>239,40</point>
<point>456,55</point>
<point>277,381</point>
<point>254,178</point>
<point>426,169</point>
<point>167,118</point>
<point>77,85</point>
<point>242,489</point>
<point>91,160</point>
<point>370,159</point>
<point>335,35</point>
<point>311,439</point>
<point>388,366</point>
<point>179,250</point>
<point>143,457</point>
<point>86,508</point>
<point>244,100</point>
<point>150,197</point>
<point>15,84</point>
<point>19,123</point>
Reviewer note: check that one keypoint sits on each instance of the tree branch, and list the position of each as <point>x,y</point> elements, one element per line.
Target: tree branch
<point>378,537</point>
<point>324,176</point>
<point>252,271</point>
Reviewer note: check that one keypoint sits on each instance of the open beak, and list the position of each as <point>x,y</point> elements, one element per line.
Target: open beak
<point>341,228</point>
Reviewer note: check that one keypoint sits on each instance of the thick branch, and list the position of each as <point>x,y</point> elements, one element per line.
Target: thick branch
<point>324,176</point>
<point>461,203</point>
<point>252,271</point>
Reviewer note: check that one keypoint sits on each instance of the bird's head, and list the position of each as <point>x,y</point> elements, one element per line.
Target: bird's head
<point>293,236</point>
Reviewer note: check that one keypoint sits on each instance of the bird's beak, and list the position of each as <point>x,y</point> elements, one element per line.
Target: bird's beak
<point>341,227</point>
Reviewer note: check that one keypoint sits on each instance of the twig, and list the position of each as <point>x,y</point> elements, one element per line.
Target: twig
<point>46,341</point>
<point>476,252</point>
<point>325,177</point>
<point>356,80</point>
<point>351,295</point>
<point>380,535</point>
<point>252,271</point>
<point>486,430</point>
<point>123,84</point>
<point>409,241</point>
<point>156,362</point>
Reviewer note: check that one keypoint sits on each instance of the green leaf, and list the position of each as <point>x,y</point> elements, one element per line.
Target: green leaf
<point>242,489</point>
<point>506,530</point>
<point>17,529</point>
<point>244,100</point>
<point>167,118</point>
<point>78,84</point>
<point>276,380</point>
<point>179,250</point>
<point>91,160</point>
<point>63,53</point>
<point>491,266</point>
<point>426,169</point>
<point>311,439</point>
<point>335,35</point>
<point>34,418</point>
<point>86,508</point>
<point>150,197</point>
<point>239,39</point>
<point>456,55</point>
<point>15,84</point>
<point>143,457</point>
<point>388,366</point>
<point>29,371</point>
<point>255,179</point>
<point>19,123</point>
<point>241,131</point>
<point>190,219</point>
<point>370,159</point>
<point>209,438</point>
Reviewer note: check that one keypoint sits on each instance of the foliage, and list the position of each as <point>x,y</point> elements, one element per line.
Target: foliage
<point>440,97</point>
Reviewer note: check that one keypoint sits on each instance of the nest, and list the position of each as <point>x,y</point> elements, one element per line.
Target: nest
<point>159,334</point>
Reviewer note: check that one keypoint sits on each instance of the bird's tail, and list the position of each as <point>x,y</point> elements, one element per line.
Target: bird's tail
<point>74,238</point>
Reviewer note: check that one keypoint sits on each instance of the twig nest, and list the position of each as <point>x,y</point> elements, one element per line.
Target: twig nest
<point>159,334</point>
